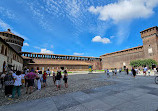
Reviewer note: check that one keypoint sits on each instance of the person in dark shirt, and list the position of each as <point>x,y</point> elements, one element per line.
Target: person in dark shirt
<point>58,80</point>
<point>65,79</point>
<point>133,72</point>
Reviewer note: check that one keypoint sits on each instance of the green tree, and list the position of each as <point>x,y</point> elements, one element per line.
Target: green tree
<point>145,62</point>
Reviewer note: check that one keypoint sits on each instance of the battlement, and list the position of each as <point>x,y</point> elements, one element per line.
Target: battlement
<point>149,32</point>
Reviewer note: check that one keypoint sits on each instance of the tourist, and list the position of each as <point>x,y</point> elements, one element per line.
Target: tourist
<point>120,70</point>
<point>2,78</point>
<point>127,71</point>
<point>30,79</point>
<point>48,72</point>
<point>23,78</point>
<point>108,75</point>
<point>14,73</point>
<point>136,70</point>
<point>149,72</point>
<point>38,82</point>
<point>133,72</point>
<point>44,78</point>
<point>105,70</point>
<point>17,84</point>
<point>54,77</point>
<point>144,70</point>
<point>9,83</point>
<point>58,79</point>
<point>115,71</point>
<point>65,78</point>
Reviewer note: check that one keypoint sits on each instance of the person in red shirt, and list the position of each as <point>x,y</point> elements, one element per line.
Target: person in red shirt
<point>44,78</point>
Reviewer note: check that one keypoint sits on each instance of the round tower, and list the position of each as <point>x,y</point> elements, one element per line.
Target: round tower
<point>13,40</point>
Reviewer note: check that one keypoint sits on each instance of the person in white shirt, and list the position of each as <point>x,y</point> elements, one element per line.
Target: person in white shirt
<point>17,84</point>
<point>39,81</point>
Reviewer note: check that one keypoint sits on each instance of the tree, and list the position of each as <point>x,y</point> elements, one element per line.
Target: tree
<point>143,63</point>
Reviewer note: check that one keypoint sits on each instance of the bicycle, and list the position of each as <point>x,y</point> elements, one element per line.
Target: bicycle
<point>156,79</point>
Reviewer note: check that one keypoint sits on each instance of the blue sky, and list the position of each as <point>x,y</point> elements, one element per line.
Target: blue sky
<point>78,27</point>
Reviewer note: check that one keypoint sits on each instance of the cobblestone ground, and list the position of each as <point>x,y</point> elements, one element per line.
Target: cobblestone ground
<point>76,82</point>
<point>96,92</point>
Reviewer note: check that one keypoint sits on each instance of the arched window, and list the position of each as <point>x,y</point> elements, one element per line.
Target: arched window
<point>2,49</point>
<point>6,51</point>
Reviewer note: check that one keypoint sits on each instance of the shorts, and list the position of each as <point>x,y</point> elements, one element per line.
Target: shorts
<point>58,82</point>
<point>30,82</point>
<point>44,81</point>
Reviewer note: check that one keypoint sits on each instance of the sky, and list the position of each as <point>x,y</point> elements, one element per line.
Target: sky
<point>78,27</point>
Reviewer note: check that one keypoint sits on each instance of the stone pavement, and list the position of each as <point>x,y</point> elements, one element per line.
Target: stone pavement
<point>128,94</point>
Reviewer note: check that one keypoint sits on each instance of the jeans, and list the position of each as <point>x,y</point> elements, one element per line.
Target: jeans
<point>16,88</point>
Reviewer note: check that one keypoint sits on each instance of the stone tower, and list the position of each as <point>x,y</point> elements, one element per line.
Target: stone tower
<point>150,42</point>
<point>13,40</point>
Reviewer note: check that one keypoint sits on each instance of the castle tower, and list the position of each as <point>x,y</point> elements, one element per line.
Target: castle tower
<point>13,40</point>
<point>150,42</point>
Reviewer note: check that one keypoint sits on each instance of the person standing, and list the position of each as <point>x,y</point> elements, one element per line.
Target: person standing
<point>65,78</point>
<point>54,77</point>
<point>30,79</point>
<point>44,78</point>
<point>127,71</point>
<point>144,70</point>
<point>2,78</point>
<point>58,80</point>
<point>108,73</point>
<point>9,83</point>
<point>17,84</point>
<point>133,72</point>
<point>115,71</point>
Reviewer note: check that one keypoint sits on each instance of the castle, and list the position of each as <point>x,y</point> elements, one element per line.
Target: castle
<point>11,56</point>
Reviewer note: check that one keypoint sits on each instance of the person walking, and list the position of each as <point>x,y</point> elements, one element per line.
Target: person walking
<point>58,80</point>
<point>9,84</point>
<point>30,78</point>
<point>65,78</point>
<point>17,84</point>
<point>133,72</point>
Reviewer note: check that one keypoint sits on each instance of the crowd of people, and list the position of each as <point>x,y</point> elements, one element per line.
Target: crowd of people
<point>12,82</point>
<point>134,71</point>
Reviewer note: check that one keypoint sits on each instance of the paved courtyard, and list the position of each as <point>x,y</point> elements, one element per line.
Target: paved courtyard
<point>128,94</point>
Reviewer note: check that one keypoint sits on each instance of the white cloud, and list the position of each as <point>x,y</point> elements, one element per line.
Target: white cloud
<point>26,44</point>
<point>99,39</point>
<point>125,10</point>
<point>46,51</point>
<point>78,54</point>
